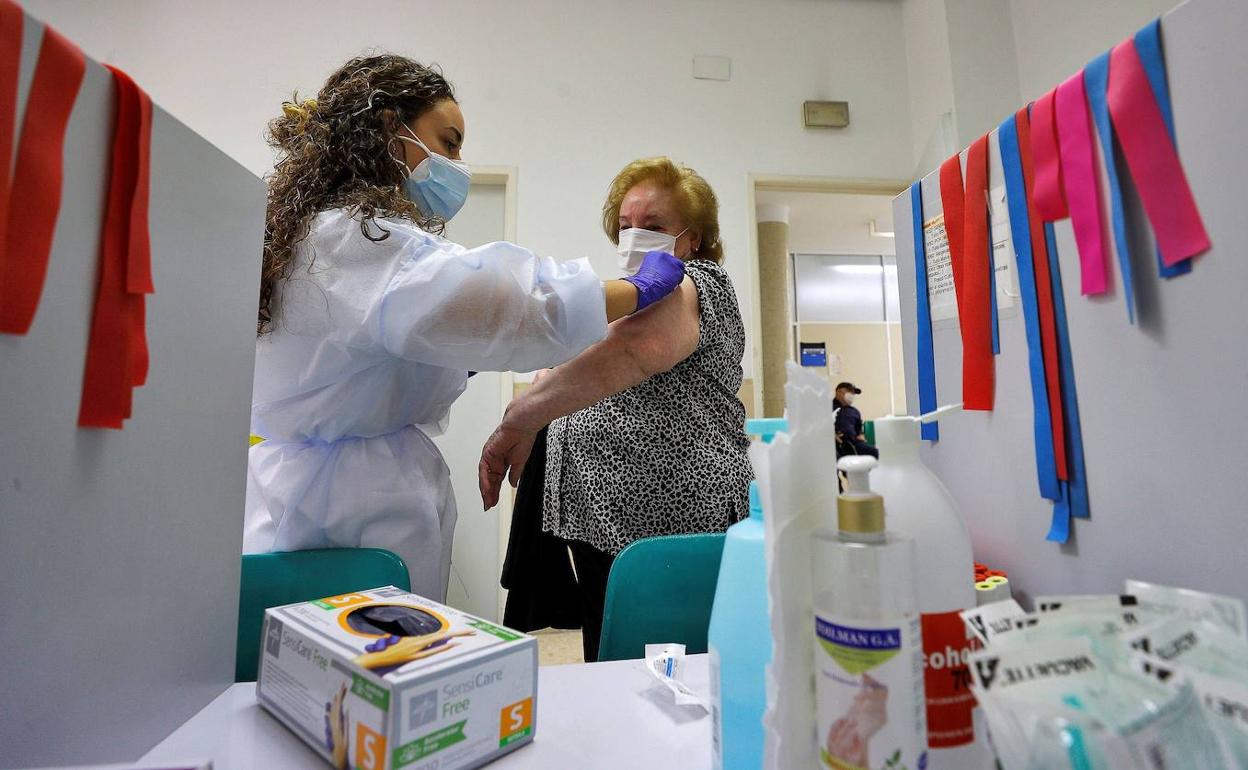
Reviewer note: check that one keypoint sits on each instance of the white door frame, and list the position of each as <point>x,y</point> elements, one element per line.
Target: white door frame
<point>506,177</point>
<point>793,183</point>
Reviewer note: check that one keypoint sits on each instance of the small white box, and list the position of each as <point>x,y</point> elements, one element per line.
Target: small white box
<point>387,680</point>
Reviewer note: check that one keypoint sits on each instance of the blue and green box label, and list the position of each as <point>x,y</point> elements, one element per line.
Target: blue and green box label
<point>370,692</point>
<point>430,744</point>
<point>502,633</point>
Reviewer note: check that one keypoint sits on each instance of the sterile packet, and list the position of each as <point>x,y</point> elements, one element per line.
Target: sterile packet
<point>1062,704</point>
<point>1197,644</point>
<point>1159,600</point>
<point>987,620</point>
<point>1085,603</point>
<point>665,662</point>
<point>1101,628</point>
<point>1225,701</point>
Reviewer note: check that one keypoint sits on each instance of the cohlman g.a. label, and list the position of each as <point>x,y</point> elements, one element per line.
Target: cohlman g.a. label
<point>869,694</point>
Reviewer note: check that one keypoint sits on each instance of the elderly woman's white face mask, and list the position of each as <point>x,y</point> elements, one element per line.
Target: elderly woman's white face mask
<point>636,242</point>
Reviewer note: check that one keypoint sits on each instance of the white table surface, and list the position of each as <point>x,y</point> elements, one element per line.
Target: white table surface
<point>597,715</point>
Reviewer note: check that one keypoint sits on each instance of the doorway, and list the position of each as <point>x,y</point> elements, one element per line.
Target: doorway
<point>831,243</point>
<point>847,306</point>
<point>480,538</point>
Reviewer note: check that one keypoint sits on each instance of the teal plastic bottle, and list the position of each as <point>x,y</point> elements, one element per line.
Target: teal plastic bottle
<point>739,639</point>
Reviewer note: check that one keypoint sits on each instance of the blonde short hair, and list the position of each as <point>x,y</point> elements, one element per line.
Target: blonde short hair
<point>695,200</point>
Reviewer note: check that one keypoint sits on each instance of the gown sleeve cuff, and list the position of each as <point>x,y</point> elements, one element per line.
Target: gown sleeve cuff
<point>586,306</point>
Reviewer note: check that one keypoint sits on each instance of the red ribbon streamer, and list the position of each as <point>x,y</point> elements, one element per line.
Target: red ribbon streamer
<point>11,22</point>
<point>1048,193</point>
<point>1082,185</point>
<point>117,356</point>
<point>951,201</point>
<point>1044,296</point>
<point>978,372</point>
<point>139,264</point>
<point>35,195</point>
<point>1152,158</point>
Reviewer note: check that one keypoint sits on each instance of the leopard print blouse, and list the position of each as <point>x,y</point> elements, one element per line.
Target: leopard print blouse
<point>667,456</point>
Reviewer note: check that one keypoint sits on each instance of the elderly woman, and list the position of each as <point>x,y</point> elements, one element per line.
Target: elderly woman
<point>646,431</point>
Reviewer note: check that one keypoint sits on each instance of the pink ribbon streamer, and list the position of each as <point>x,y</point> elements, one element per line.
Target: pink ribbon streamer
<point>1152,158</point>
<point>1047,192</point>
<point>1079,178</point>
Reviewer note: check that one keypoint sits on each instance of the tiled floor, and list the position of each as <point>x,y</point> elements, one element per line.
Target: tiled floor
<point>556,647</point>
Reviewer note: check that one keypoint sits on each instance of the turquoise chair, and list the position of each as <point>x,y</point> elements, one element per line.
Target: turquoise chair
<point>660,590</point>
<point>274,579</point>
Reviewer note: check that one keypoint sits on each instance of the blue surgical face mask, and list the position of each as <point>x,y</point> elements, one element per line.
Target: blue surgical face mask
<point>438,185</point>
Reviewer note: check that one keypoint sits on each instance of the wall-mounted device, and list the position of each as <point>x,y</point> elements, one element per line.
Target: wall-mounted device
<point>826,114</point>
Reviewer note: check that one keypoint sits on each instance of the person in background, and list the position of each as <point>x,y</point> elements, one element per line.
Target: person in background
<point>851,438</point>
<point>646,431</point>
<point>369,322</point>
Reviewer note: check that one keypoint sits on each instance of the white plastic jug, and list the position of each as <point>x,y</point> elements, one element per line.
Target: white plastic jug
<point>918,505</point>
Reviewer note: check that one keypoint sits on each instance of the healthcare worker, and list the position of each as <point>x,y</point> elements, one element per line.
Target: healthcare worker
<point>369,322</point>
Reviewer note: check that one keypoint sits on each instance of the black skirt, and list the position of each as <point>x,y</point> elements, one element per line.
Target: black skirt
<point>537,573</point>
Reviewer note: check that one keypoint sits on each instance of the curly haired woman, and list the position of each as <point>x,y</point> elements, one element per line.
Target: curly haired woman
<point>369,321</point>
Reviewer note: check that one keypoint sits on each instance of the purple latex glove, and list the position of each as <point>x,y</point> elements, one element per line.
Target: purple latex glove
<point>659,275</point>
<point>381,643</point>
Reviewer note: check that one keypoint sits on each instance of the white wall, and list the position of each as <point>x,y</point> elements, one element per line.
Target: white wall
<point>984,62</point>
<point>929,78</point>
<point>969,63</point>
<point>567,92</point>
<point>1048,53</point>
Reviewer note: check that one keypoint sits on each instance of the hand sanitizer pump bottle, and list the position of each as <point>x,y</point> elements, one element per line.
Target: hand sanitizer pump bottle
<point>868,647</point>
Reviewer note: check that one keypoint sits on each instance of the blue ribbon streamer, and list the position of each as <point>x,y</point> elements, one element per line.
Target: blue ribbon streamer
<point>1076,491</point>
<point>1020,232</point>
<point>1148,45</point>
<point>923,312</point>
<point>1059,527</point>
<point>1096,82</point>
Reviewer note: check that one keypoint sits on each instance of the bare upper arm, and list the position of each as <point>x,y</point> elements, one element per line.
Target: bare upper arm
<point>663,334</point>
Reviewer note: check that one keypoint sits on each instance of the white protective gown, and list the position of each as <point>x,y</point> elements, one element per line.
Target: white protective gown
<point>372,343</point>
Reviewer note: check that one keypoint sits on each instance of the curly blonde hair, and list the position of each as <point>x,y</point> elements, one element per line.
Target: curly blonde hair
<point>695,200</point>
<point>334,151</point>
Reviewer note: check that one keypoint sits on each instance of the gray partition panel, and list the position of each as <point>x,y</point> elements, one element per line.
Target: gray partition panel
<point>1164,403</point>
<point>119,550</point>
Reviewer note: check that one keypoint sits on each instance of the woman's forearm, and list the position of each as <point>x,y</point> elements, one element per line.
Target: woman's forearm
<point>602,370</point>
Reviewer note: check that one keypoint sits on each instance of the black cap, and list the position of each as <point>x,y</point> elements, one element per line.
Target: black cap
<point>848,386</point>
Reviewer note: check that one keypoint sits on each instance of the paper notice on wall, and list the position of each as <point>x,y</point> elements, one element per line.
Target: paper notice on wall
<point>940,289</point>
<point>940,292</point>
<point>1002,250</point>
<point>834,365</point>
